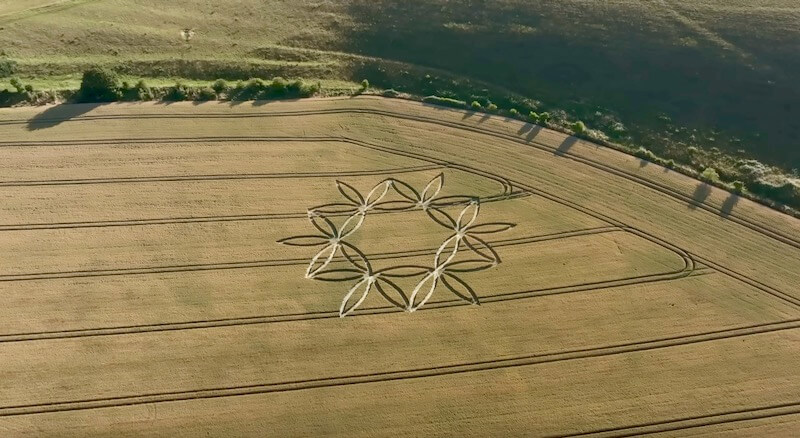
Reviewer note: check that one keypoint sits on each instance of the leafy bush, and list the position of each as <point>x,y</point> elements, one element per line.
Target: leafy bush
<point>579,127</point>
<point>219,86</point>
<point>709,175</point>
<point>738,187</point>
<point>253,88</point>
<point>310,90</point>
<point>278,86</point>
<point>533,116</point>
<point>99,85</point>
<point>670,164</point>
<point>646,154</point>
<point>142,91</point>
<point>237,90</point>
<point>779,189</point>
<point>295,87</point>
<point>29,88</point>
<point>7,67</point>
<point>445,101</point>
<point>513,112</point>
<point>17,84</point>
<point>364,85</point>
<point>178,92</point>
<point>391,93</point>
<point>476,105</point>
<point>206,94</point>
<point>544,118</point>
<point>492,107</point>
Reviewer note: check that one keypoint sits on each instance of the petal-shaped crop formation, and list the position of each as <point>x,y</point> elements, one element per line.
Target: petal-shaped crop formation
<point>406,191</point>
<point>377,193</point>
<point>460,288</point>
<point>323,224</point>
<point>321,259</point>
<point>468,215</point>
<point>355,296</point>
<point>354,264</point>
<point>423,291</point>
<point>350,193</point>
<point>433,188</point>
<point>305,241</point>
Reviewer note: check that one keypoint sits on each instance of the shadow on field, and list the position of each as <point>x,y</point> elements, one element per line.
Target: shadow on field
<point>55,115</point>
<point>566,145</point>
<point>728,205</point>
<point>699,196</point>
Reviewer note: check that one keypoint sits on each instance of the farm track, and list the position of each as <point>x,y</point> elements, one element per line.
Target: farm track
<point>748,280</point>
<point>317,315</point>
<point>436,371</point>
<point>686,423</point>
<point>207,219</point>
<point>285,262</point>
<point>776,235</point>
<point>217,177</point>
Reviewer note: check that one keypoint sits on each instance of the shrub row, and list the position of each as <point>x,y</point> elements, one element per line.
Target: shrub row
<point>101,85</point>
<point>445,101</point>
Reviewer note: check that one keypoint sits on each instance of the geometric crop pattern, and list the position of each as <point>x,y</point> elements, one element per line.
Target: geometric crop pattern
<point>463,251</point>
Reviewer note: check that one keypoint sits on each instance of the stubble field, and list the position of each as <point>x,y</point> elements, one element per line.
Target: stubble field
<point>156,279</point>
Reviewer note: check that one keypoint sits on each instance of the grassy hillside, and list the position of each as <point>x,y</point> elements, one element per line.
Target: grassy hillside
<point>667,74</point>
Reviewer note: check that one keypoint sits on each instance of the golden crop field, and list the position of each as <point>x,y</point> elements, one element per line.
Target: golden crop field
<point>368,266</point>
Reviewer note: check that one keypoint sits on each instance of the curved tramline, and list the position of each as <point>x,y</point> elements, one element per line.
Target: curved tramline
<point>244,266</point>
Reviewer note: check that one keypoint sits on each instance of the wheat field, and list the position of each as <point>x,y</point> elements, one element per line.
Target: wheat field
<point>250,270</point>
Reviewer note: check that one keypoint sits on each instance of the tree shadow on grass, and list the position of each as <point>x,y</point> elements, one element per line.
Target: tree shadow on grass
<point>701,193</point>
<point>55,115</point>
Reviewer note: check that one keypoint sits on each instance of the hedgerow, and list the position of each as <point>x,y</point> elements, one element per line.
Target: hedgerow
<point>445,101</point>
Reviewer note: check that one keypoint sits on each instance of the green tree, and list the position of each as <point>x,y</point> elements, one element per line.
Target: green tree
<point>544,118</point>
<point>99,85</point>
<point>710,175</point>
